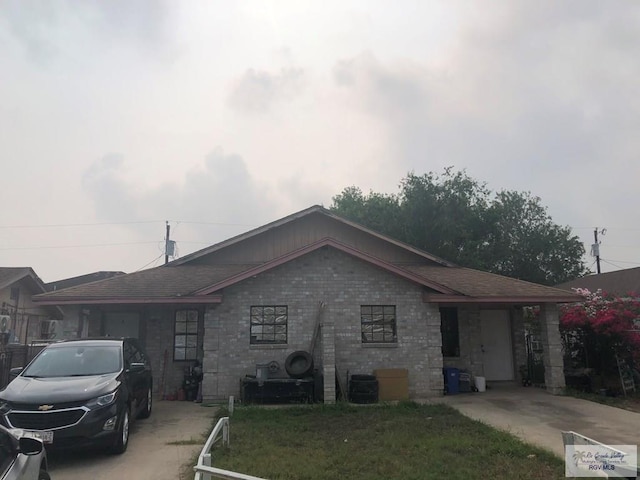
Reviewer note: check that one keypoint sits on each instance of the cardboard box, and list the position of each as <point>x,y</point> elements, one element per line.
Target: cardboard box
<point>393,384</point>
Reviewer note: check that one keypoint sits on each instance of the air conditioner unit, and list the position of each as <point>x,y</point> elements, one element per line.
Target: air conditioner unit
<point>48,329</point>
<point>5,321</point>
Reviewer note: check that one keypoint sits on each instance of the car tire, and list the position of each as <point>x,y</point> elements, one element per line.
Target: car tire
<point>122,437</point>
<point>146,411</point>
<point>43,475</point>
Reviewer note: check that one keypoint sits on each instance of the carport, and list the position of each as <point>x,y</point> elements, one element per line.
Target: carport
<point>537,417</point>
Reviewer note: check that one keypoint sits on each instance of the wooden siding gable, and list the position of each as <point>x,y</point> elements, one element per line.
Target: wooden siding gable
<point>303,229</point>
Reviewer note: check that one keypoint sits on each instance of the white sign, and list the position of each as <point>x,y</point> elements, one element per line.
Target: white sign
<point>603,461</point>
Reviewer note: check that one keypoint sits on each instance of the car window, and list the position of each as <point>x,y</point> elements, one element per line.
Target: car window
<point>73,360</point>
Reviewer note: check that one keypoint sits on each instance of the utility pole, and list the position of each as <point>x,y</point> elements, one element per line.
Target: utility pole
<point>166,246</point>
<point>595,248</point>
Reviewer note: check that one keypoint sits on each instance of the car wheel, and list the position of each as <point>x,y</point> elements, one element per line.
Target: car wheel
<point>146,412</point>
<point>122,437</point>
<point>43,475</point>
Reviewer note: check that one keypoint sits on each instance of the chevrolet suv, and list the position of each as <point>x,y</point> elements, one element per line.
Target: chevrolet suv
<point>78,393</point>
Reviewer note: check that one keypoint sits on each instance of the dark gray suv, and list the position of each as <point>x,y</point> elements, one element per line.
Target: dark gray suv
<point>79,393</point>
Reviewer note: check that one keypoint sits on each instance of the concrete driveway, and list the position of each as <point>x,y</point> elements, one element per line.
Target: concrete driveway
<point>538,417</point>
<point>151,454</point>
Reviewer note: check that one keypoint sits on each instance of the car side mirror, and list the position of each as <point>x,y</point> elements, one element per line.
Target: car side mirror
<point>14,372</point>
<point>30,446</point>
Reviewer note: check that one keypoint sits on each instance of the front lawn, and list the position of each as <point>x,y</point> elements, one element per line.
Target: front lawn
<point>381,442</point>
<point>630,402</point>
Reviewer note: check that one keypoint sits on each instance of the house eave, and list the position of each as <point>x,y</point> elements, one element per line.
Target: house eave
<point>505,299</point>
<point>190,299</point>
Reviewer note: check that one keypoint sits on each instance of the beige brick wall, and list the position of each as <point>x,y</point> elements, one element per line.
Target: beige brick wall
<point>344,284</point>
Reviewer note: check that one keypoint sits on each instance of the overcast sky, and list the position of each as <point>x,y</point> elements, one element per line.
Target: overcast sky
<point>222,116</point>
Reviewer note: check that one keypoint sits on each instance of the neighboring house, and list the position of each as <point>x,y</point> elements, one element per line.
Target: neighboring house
<point>255,298</point>
<point>620,282</point>
<point>27,322</point>
<point>75,323</point>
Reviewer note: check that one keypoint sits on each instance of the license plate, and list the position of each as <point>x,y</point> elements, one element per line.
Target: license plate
<point>45,435</point>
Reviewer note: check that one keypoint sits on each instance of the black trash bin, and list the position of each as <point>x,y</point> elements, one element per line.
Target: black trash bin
<point>363,389</point>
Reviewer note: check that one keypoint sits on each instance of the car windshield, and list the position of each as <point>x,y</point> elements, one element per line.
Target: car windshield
<point>73,360</point>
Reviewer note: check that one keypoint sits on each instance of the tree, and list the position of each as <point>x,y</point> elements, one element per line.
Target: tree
<point>525,243</point>
<point>459,219</point>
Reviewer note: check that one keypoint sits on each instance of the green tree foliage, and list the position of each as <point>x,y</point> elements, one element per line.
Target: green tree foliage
<point>460,220</point>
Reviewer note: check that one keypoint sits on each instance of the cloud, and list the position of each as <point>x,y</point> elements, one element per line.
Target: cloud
<point>529,96</point>
<point>221,191</point>
<point>259,90</point>
<point>72,30</point>
<point>112,195</point>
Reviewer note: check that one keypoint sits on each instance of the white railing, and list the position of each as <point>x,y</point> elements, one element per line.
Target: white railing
<point>204,470</point>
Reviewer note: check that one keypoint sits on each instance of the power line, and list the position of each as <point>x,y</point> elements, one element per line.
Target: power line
<point>76,246</point>
<point>66,225</point>
<point>152,261</point>
<point>60,225</point>
<point>623,261</point>
<point>612,264</point>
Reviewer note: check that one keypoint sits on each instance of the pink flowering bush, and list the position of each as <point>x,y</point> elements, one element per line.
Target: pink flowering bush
<point>601,327</point>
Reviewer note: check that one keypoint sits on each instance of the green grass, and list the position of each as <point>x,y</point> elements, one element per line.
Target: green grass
<point>408,441</point>
<point>630,402</point>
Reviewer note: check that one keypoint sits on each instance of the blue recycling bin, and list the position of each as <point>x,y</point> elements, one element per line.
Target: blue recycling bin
<point>451,380</point>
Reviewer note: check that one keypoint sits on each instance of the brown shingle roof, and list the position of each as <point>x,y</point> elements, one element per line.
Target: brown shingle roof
<point>80,280</point>
<point>475,283</point>
<point>185,282</point>
<point>165,281</point>
<point>619,282</point>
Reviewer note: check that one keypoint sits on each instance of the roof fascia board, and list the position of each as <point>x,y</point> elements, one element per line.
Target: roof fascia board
<point>201,299</point>
<point>521,300</point>
<point>315,246</point>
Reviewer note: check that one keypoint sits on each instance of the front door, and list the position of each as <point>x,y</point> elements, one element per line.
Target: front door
<point>497,354</point>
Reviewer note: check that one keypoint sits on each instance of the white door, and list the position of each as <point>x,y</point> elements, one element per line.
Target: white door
<point>121,324</point>
<point>497,354</point>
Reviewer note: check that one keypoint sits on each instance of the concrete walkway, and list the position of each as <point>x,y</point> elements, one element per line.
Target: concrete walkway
<point>538,417</point>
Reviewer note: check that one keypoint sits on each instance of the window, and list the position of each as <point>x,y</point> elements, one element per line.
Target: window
<point>450,334</point>
<point>185,340</point>
<point>269,324</point>
<point>378,323</point>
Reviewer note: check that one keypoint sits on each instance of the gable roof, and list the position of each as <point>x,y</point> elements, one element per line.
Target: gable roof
<point>188,281</point>
<point>296,216</point>
<point>619,282</point>
<point>12,275</point>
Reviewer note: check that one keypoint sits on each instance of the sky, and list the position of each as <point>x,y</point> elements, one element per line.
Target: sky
<point>219,117</point>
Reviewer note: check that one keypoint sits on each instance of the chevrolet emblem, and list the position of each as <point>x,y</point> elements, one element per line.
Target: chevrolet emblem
<point>44,408</point>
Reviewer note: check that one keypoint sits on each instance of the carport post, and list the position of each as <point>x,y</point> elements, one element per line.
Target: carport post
<point>329,360</point>
<point>552,345</point>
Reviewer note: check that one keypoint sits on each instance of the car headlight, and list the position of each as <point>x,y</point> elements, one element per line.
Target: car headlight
<point>103,400</point>
<point>4,407</point>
